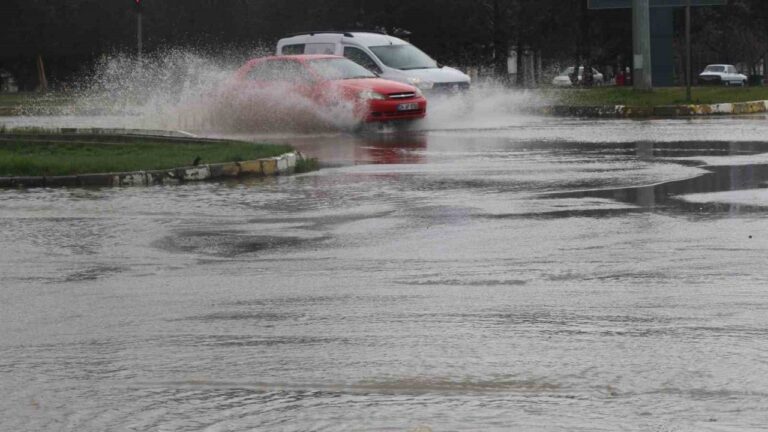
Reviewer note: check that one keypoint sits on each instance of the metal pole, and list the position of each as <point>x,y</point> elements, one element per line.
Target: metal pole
<point>139,35</point>
<point>688,78</point>
<point>641,34</point>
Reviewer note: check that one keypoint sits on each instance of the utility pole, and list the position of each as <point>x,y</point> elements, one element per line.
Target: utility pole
<point>688,80</point>
<point>641,35</point>
<point>139,7</point>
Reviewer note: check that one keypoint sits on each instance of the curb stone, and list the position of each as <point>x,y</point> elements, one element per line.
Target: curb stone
<point>274,166</point>
<point>667,111</point>
<point>106,131</point>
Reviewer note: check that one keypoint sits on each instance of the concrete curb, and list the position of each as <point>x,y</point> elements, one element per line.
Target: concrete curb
<point>667,111</point>
<point>274,166</point>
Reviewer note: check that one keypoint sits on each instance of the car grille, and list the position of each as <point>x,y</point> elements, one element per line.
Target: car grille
<point>407,95</point>
<point>451,87</point>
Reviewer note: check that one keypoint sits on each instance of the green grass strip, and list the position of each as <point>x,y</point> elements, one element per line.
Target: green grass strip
<point>602,96</point>
<point>27,157</point>
<point>25,99</point>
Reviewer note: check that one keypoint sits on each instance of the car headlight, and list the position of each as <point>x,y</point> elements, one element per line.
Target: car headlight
<point>420,84</point>
<point>371,95</point>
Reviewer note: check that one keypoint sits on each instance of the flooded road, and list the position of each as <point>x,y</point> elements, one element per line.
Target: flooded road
<point>537,276</point>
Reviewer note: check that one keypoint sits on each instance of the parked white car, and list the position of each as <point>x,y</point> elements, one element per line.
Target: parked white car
<point>564,78</point>
<point>722,74</point>
<point>387,56</point>
<point>7,82</point>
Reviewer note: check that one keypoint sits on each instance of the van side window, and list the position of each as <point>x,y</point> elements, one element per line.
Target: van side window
<point>293,49</point>
<point>360,57</point>
<point>320,48</point>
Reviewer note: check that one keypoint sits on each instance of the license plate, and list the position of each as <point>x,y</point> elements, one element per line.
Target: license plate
<point>408,107</point>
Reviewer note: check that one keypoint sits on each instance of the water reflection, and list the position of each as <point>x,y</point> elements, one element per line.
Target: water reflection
<point>392,149</point>
<point>718,179</point>
<point>387,147</point>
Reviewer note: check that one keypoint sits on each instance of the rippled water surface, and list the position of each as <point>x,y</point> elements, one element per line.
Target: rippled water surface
<point>570,277</point>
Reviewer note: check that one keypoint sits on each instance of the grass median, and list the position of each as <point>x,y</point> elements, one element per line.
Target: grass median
<point>34,156</point>
<point>14,103</point>
<point>607,96</point>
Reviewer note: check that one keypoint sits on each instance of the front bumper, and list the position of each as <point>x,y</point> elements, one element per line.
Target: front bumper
<point>710,80</point>
<point>449,88</point>
<point>388,110</point>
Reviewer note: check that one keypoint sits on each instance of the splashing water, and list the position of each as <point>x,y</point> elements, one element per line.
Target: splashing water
<point>183,89</point>
<point>488,105</point>
<point>186,90</point>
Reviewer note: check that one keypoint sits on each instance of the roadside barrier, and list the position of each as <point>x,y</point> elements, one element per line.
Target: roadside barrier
<point>667,111</point>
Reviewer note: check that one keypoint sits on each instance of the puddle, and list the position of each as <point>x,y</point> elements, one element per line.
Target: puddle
<point>670,195</point>
<point>228,243</point>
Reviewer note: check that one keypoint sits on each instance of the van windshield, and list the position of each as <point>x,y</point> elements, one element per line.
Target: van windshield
<point>403,57</point>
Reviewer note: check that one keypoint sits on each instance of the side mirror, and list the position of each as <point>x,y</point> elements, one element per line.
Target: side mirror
<point>440,65</point>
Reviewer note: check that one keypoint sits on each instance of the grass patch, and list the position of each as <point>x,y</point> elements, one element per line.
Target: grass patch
<point>600,96</point>
<point>25,156</point>
<point>306,165</point>
<point>31,100</point>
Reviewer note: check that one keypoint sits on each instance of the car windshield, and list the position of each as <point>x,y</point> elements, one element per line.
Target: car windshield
<point>715,69</point>
<point>403,57</point>
<point>339,69</point>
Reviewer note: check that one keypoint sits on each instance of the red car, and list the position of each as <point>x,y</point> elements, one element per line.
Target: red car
<point>331,82</point>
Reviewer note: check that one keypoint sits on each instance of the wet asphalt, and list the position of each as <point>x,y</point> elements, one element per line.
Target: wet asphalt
<point>532,274</point>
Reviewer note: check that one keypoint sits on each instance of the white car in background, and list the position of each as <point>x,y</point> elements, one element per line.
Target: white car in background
<point>564,78</point>
<point>386,56</point>
<point>722,74</point>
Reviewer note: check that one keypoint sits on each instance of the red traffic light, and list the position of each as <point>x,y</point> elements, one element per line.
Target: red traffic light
<point>138,5</point>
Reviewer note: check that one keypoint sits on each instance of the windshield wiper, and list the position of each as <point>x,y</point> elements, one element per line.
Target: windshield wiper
<point>417,67</point>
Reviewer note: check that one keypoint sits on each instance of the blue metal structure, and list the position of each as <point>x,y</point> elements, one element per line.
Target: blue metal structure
<point>626,4</point>
<point>662,32</point>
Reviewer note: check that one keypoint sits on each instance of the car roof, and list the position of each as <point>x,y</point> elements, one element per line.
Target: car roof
<point>367,39</point>
<point>299,57</point>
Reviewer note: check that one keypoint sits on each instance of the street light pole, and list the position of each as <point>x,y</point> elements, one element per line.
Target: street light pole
<point>688,78</point>
<point>641,35</point>
<point>139,37</point>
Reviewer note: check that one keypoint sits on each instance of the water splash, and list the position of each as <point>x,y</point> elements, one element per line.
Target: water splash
<point>489,105</point>
<point>193,91</point>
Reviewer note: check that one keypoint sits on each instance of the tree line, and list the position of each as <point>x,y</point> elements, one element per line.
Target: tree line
<point>70,35</point>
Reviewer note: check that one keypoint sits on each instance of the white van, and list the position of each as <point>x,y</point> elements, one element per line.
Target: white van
<point>389,57</point>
